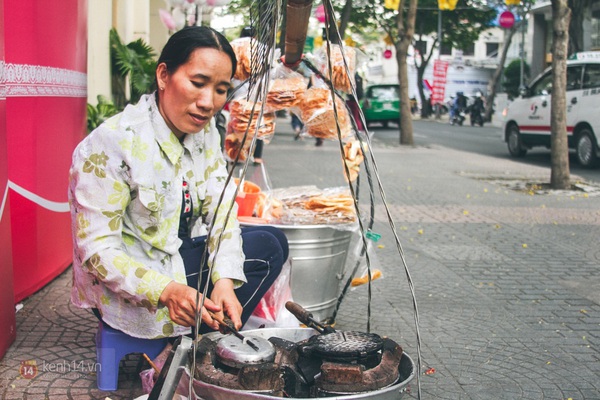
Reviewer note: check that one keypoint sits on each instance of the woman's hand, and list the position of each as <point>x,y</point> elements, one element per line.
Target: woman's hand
<point>224,296</point>
<point>180,299</point>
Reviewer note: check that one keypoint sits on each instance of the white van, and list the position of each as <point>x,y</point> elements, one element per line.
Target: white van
<point>527,119</point>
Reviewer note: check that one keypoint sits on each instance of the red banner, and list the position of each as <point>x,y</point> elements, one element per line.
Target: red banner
<point>8,329</point>
<point>45,85</point>
<point>440,69</point>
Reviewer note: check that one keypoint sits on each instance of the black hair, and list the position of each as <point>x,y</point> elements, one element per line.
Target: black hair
<point>182,43</point>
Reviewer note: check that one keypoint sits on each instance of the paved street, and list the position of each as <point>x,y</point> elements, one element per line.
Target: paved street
<point>507,282</point>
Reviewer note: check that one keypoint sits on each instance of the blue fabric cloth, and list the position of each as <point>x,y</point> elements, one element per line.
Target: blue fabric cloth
<point>266,249</point>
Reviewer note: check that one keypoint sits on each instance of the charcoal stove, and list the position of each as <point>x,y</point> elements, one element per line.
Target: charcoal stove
<point>300,363</point>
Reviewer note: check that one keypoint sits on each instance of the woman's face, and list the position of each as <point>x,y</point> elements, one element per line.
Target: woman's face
<point>190,96</point>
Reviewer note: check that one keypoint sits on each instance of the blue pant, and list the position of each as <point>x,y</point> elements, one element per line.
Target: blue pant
<point>265,248</point>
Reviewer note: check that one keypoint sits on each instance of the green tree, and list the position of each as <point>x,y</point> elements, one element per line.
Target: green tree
<point>512,77</point>
<point>460,28</point>
<point>522,9</point>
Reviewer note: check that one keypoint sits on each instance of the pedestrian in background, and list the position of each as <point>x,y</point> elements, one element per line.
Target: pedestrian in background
<point>353,103</point>
<point>297,126</point>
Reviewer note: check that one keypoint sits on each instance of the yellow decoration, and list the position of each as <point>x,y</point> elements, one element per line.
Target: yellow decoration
<point>512,2</point>
<point>391,4</point>
<point>318,41</point>
<point>388,40</point>
<point>349,41</point>
<point>447,4</point>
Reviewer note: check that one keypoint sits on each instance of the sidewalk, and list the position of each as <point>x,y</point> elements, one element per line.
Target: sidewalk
<point>507,283</point>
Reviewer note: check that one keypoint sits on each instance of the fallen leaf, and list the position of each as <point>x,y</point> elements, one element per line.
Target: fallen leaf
<point>430,371</point>
<point>420,231</point>
<point>524,245</point>
<point>465,212</point>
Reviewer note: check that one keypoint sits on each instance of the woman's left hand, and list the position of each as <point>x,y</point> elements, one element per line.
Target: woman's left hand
<point>224,295</point>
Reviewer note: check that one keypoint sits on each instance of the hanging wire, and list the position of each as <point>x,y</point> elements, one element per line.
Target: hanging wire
<point>264,18</point>
<point>331,25</point>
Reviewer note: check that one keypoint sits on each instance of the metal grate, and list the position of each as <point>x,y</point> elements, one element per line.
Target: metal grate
<point>346,345</point>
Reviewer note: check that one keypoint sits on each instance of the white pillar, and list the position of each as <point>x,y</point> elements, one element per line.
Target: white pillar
<point>159,33</point>
<point>98,56</point>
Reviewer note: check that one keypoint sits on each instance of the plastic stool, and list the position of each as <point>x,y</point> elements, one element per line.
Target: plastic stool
<point>112,345</point>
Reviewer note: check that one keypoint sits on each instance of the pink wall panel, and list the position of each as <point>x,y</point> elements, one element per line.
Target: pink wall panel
<point>7,308</point>
<point>45,53</point>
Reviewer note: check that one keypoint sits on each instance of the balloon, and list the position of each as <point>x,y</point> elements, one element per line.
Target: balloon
<point>320,13</point>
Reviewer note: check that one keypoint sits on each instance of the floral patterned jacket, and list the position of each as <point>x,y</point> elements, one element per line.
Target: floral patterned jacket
<point>125,195</point>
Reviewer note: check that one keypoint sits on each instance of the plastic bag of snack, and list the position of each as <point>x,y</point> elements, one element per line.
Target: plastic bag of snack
<point>233,146</point>
<point>357,259</point>
<point>320,116</point>
<point>340,78</point>
<point>243,51</point>
<point>252,57</point>
<point>353,157</point>
<point>246,116</point>
<point>286,89</point>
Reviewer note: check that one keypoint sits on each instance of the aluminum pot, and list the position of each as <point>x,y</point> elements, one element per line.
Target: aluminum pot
<point>318,257</point>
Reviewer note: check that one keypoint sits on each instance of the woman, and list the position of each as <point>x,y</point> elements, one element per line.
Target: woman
<point>144,189</point>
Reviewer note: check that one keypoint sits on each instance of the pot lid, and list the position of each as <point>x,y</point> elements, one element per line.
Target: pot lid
<point>235,353</point>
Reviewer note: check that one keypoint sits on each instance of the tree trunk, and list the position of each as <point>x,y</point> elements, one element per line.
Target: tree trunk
<point>491,89</point>
<point>560,175</point>
<point>425,111</point>
<point>579,8</point>
<point>406,31</point>
<point>425,106</point>
<point>345,18</point>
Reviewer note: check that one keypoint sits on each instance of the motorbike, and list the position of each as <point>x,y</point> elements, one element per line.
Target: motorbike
<point>459,117</point>
<point>476,117</point>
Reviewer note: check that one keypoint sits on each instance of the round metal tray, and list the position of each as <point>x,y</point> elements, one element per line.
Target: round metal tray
<point>204,391</point>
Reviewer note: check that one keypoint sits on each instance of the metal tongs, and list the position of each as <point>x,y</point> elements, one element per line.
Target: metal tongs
<point>227,325</point>
<point>307,318</point>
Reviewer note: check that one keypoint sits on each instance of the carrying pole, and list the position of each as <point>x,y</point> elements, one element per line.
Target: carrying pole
<point>296,27</point>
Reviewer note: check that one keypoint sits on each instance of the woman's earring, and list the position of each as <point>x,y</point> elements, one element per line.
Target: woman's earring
<point>162,88</point>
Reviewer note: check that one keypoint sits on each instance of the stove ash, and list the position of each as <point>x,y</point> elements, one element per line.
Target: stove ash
<point>331,364</point>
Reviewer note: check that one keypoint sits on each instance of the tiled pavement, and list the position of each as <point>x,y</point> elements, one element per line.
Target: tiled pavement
<point>507,284</point>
